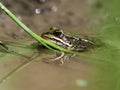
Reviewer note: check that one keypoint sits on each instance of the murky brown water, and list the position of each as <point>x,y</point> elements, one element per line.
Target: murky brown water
<point>72,16</point>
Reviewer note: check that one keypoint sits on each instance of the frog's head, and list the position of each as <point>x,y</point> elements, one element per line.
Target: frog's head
<point>56,31</point>
<point>53,32</point>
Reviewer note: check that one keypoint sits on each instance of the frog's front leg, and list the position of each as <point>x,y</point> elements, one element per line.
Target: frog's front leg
<point>61,57</point>
<point>58,58</point>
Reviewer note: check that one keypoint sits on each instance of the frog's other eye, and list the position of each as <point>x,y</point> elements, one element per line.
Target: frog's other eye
<point>57,33</point>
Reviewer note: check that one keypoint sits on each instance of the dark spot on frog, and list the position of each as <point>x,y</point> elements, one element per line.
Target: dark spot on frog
<point>57,33</point>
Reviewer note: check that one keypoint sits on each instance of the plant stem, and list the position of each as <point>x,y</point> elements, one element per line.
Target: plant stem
<point>23,26</point>
<point>32,34</point>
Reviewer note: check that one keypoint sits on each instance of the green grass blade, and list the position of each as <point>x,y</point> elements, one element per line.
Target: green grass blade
<point>32,34</point>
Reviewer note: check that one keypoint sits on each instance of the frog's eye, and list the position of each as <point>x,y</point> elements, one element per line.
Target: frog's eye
<point>57,33</point>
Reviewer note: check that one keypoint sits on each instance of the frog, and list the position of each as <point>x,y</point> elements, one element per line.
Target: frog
<point>57,36</point>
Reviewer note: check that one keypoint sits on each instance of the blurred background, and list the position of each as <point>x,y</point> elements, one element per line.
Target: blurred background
<point>98,18</point>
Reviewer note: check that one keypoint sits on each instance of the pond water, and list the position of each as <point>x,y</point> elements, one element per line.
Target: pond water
<point>97,71</point>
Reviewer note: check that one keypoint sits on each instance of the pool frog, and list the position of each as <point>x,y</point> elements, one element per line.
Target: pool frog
<point>72,43</point>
